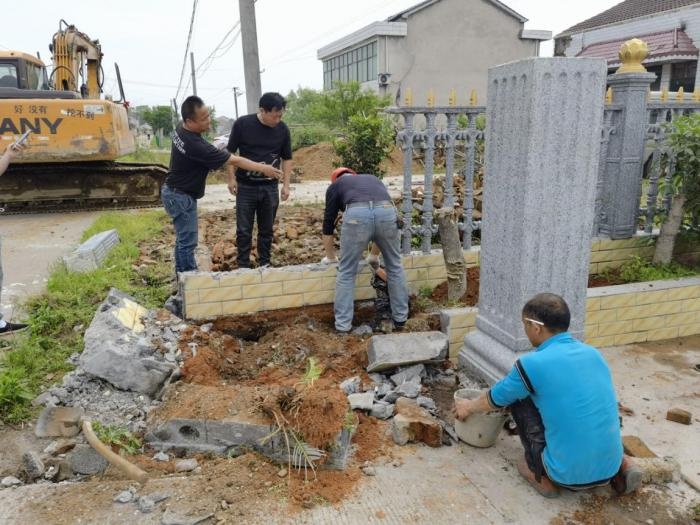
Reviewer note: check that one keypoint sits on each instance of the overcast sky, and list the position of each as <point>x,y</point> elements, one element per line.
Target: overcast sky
<point>147,38</point>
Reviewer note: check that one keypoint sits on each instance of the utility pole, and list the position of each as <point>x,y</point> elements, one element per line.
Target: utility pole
<point>251,61</point>
<point>236,94</point>
<point>194,79</point>
<point>174,114</point>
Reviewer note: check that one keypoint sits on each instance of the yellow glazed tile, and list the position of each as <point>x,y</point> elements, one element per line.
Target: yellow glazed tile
<point>689,329</point>
<point>655,296</point>
<point>242,306</point>
<point>243,278</point>
<point>214,295</point>
<point>600,342</point>
<point>626,339</point>
<point>616,328</point>
<point>663,333</point>
<point>600,316</point>
<point>617,301</point>
<point>283,301</point>
<point>191,296</point>
<point>197,282</point>
<point>319,297</point>
<point>592,303</point>
<point>203,311</point>
<point>685,292</point>
<point>254,291</point>
<point>304,285</point>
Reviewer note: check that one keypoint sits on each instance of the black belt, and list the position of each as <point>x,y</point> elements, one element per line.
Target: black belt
<point>370,204</point>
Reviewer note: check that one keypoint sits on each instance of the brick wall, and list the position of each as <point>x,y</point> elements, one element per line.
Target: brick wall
<point>615,315</point>
<point>212,294</point>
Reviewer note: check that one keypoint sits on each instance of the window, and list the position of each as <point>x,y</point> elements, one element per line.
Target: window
<point>656,85</point>
<point>683,76</point>
<point>359,64</point>
<point>8,75</point>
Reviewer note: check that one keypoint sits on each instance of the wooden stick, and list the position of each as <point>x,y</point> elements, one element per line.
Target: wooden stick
<point>129,469</point>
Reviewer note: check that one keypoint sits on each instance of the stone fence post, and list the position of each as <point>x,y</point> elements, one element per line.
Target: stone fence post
<point>620,186</point>
<point>544,120</point>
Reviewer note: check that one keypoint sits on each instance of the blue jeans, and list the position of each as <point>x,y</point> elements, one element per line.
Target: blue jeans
<point>261,201</point>
<point>183,210</point>
<point>362,224</point>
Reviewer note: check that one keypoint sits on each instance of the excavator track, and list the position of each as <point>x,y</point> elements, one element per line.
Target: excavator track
<point>46,188</point>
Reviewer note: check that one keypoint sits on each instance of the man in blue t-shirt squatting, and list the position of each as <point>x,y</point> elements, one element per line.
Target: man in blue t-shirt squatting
<point>562,399</point>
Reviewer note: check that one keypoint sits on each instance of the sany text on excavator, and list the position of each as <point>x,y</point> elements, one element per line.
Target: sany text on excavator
<point>76,136</point>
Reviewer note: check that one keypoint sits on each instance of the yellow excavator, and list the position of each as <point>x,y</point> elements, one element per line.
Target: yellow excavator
<point>75,136</point>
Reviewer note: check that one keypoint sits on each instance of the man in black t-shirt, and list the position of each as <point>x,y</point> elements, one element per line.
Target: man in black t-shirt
<point>262,137</point>
<point>190,161</point>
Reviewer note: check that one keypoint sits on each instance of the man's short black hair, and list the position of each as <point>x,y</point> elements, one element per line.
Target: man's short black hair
<point>270,101</point>
<point>190,106</point>
<point>550,309</point>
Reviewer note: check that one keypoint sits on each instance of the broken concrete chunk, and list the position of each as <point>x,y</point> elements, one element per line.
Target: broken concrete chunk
<point>411,374</point>
<point>32,465</point>
<point>351,385</point>
<point>116,351</point>
<point>390,351</point>
<point>45,399</point>
<point>413,423</point>
<point>85,460</point>
<point>391,397</point>
<point>426,402</point>
<point>10,481</point>
<point>363,401</point>
<point>678,415</point>
<point>382,410</point>
<point>60,446</point>
<point>59,422</point>
<point>161,456</point>
<point>659,470</point>
<point>89,255</point>
<point>186,465</point>
<point>408,390</point>
<point>125,496</point>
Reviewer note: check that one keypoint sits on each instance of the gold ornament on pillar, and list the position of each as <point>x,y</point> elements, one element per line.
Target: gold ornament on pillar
<point>632,54</point>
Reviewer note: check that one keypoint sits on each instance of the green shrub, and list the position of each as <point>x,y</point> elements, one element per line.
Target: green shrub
<point>113,435</point>
<point>638,269</point>
<point>14,395</point>
<point>367,141</point>
<point>303,136</point>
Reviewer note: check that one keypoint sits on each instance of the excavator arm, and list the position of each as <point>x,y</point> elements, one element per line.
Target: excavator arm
<point>76,56</point>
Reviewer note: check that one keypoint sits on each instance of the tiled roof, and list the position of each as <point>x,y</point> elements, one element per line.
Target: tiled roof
<point>627,10</point>
<point>666,44</point>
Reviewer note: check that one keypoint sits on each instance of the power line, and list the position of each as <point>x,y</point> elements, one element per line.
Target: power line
<point>187,48</point>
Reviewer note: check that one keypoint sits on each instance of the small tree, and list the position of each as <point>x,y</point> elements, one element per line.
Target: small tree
<point>159,117</point>
<point>335,108</point>
<point>367,141</point>
<point>684,140</point>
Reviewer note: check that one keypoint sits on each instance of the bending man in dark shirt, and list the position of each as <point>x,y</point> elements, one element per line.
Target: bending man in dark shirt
<point>191,159</point>
<point>261,137</point>
<point>369,215</point>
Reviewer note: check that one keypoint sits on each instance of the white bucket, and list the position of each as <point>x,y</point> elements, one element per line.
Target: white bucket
<point>479,429</point>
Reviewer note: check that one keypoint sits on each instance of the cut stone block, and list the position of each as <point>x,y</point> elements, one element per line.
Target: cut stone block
<point>32,465</point>
<point>59,422</point>
<point>678,415</point>
<point>117,351</point>
<point>89,255</point>
<point>659,470</point>
<point>382,410</point>
<point>413,423</point>
<point>392,350</point>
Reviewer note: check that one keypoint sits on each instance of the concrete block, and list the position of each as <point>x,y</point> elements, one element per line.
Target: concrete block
<point>242,306</point>
<point>59,422</point>
<point>272,275</point>
<point>389,351</point>
<point>602,342</point>
<point>691,305</point>
<point>601,316</point>
<point>197,281</point>
<point>679,415</point>
<point>89,255</point>
<point>690,329</point>
<point>254,291</point>
<point>659,470</point>
<point>242,277</point>
<point>592,304</point>
<point>305,285</point>
<point>617,301</point>
<point>626,339</point>
<point>680,293</point>
<point>616,328</point>
<point>413,423</point>
<point>669,332</point>
<point>319,297</point>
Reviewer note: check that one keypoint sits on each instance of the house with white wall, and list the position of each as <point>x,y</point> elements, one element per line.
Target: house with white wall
<point>436,44</point>
<point>671,29</point>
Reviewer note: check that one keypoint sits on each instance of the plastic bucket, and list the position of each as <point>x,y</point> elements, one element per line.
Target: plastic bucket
<point>479,429</point>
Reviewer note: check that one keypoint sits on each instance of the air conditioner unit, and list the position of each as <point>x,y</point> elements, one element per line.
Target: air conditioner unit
<point>383,79</point>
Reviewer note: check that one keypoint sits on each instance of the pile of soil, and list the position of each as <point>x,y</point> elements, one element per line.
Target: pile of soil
<point>317,162</point>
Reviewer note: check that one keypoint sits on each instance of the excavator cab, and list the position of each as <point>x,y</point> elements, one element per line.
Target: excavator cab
<point>76,135</point>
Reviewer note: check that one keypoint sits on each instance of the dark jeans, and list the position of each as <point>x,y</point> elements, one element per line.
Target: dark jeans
<point>261,201</point>
<point>183,210</point>
<point>531,432</point>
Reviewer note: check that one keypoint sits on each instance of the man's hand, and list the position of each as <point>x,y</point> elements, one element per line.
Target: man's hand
<point>13,150</point>
<point>271,172</point>
<point>462,409</point>
<point>285,192</point>
<point>232,186</point>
